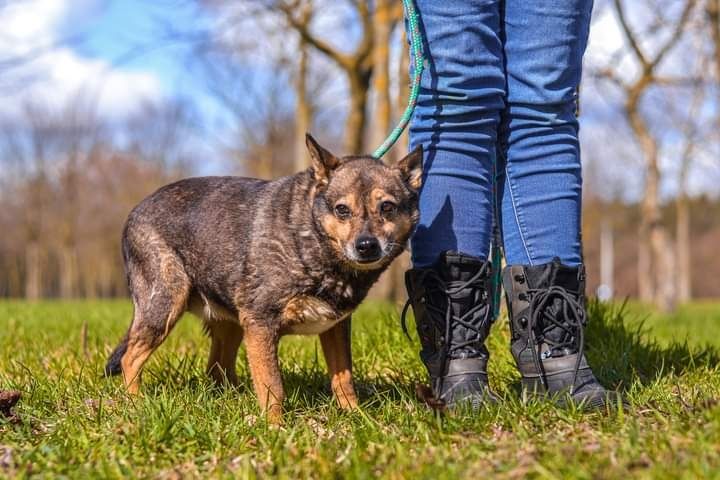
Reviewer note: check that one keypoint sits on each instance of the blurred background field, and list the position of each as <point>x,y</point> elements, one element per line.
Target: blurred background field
<point>103,101</point>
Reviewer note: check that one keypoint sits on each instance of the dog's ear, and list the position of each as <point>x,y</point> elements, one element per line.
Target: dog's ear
<point>410,168</point>
<point>323,162</point>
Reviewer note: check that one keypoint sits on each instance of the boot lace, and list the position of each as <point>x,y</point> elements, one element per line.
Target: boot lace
<point>570,319</point>
<point>434,284</point>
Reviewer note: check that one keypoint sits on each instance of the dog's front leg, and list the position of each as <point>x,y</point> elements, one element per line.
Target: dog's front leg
<point>336,346</point>
<point>261,343</point>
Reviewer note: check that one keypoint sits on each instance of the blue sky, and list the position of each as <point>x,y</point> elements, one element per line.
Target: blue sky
<point>112,30</point>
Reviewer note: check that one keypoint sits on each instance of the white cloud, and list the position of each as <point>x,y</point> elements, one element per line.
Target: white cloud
<point>30,24</point>
<point>607,47</point>
<point>50,73</point>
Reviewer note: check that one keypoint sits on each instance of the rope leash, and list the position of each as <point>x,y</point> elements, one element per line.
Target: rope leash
<point>416,46</point>
<point>419,58</point>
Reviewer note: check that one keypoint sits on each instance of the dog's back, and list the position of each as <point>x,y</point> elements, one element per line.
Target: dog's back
<point>195,213</point>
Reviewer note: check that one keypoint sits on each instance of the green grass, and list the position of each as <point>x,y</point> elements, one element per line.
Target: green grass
<point>75,423</point>
<point>698,323</point>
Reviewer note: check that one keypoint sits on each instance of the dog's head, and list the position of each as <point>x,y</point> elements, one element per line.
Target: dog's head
<point>367,209</point>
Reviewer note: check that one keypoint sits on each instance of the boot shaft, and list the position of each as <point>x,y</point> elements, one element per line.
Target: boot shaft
<point>548,302</point>
<point>451,301</point>
<point>546,306</point>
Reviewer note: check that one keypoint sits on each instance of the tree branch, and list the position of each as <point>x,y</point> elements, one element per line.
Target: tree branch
<point>365,48</point>
<point>677,33</point>
<point>303,29</point>
<point>690,81</point>
<point>607,73</point>
<point>629,35</point>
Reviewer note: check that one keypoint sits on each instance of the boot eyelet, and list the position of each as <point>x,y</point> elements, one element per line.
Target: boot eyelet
<point>522,296</point>
<point>520,278</point>
<point>523,322</point>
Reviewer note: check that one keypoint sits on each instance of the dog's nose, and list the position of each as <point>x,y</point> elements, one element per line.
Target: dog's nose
<point>368,248</point>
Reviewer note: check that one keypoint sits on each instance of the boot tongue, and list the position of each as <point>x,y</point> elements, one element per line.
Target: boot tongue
<point>554,274</point>
<point>460,268</point>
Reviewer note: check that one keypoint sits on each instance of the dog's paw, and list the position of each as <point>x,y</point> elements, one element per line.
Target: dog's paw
<point>347,402</point>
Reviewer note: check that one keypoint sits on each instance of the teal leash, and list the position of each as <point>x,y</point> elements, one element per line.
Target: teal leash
<point>419,58</point>
<point>416,46</point>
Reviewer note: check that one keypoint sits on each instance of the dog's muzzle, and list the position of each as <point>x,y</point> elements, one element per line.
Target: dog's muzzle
<point>368,249</point>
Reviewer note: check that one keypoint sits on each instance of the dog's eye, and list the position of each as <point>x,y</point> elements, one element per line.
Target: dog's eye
<point>342,211</point>
<point>388,208</point>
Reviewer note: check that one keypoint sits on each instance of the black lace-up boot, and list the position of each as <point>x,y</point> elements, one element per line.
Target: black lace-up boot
<point>453,313</point>
<point>546,306</point>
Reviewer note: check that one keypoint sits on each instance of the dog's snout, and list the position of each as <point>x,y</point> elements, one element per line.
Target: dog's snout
<point>368,248</point>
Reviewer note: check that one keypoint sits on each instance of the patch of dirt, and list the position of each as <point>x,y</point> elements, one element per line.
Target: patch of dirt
<point>8,399</point>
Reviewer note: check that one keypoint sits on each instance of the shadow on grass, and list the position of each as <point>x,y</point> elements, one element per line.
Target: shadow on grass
<point>312,387</point>
<point>621,354</point>
<point>307,387</point>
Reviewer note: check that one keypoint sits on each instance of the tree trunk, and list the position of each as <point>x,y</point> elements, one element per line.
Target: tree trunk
<point>655,272</point>
<point>303,112</point>
<point>303,109</point>
<point>355,126</point>
<point>33,271</point>
<point>404,89</point>
<point>682,246</point>
<point>713,12</point>
<point>14,278</point>
<point>382,115</point>
<point>68,272</point>
<point>607,261</point>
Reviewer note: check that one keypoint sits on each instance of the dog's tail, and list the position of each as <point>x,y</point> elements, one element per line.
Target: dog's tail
<point>113,366</point>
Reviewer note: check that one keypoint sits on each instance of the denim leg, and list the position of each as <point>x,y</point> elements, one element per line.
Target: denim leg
<point>456,121</point>
<point>541,184</point>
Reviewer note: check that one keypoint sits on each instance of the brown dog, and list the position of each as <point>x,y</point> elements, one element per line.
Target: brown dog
<point>257,260</point>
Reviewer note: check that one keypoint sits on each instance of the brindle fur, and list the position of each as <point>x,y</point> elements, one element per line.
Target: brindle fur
<point>260,259</point>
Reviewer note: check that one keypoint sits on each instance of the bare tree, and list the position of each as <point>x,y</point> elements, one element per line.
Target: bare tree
<point>303,106</point>
<point>356,65</point>
<point>27,145</point>
<point>655,260</point>
<point>387,15</point>
<point>68,183</point>
<point>712,10</point>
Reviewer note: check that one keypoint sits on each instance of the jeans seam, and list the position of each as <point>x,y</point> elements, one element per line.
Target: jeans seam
<point>517,214</point>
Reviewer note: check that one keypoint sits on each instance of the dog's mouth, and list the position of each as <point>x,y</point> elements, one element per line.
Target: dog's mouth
<point>368,264</point>
<point>359,262</point>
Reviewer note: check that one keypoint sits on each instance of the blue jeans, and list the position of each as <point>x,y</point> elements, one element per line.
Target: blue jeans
<point>499,92</point>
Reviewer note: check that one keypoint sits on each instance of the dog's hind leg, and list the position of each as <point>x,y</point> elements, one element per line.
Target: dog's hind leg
<point>160,289</point>
<point>151,326</point>
<point>226,339</point>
